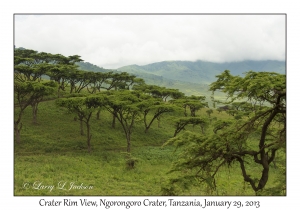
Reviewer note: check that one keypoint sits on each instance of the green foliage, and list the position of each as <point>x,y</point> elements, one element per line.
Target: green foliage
<point>209,112</point>
<point>28,93</point>
<point>256,136</point>
<point>181,123</point>
<point>155,106</point>
<point>54,152</point>
<point>193,103</point>
<point>252,130</point>
<point>83,107</point>
<point>159,92</point>
<point>130,161</point>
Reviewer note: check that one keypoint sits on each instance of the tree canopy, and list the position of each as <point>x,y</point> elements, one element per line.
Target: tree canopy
<point>254,138</point>
<point>252,133</point>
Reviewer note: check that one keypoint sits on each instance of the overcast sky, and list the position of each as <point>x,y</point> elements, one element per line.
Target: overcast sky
<point>112,41</point>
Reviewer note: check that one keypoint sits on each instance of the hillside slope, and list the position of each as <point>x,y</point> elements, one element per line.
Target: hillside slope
<point>201,71</point>
<point>191,78</point>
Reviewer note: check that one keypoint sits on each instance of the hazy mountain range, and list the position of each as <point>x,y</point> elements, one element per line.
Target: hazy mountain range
<point>201,71</point>
<point>192,78</point>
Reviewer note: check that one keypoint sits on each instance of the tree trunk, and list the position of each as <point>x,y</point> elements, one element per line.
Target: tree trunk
<point>193,112</point>
<point>62,85</point>
<point>58,95</point>
<point>156,116</point>
<point>81,126</point>
<point>146,129</point>
<point>72,87</point>
<point>34,113</point>
<point>18,132</point>
<point>89,136</point>
<point>264,177</point>
<point>98,115</point>
<point>202,129</point>
<point>113,125</point>
<point>128,141</point>
<point>158,122</point>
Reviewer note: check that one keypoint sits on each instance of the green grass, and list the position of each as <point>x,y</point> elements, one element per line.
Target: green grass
<point>53,152</point>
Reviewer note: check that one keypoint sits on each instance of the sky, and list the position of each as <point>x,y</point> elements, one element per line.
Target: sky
<point>113,41</point>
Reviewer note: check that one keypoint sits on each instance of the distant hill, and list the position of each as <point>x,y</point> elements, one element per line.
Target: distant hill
<point>91,67</point>
<point>192,78</point>
<point>201,71</point>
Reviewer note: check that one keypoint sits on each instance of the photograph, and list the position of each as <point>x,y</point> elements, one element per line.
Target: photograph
<point>149,105</point>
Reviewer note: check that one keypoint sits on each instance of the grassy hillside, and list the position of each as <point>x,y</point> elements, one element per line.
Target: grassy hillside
<point>53,153</point>
<point>202,72</point>
<point>91,67</point>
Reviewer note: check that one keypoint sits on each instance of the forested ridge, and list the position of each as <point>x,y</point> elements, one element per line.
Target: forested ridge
<point>112,131</point>
<point>203,72</point>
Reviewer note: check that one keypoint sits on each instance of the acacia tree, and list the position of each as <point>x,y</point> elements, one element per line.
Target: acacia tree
<point>124,105</point>
<point>97,80</point>
<point>193,103</point>
<point>253,140</point>
<point>121,80</point>
<point>159,92</point>
<point>38,97</point>
<point>79,80</point>
<point>209,112</point>
<point>182,122</point>
<point>155,106</point>
<point>235,108</point>
<point>62,69</point>
<point>83,107</point>
<point>29,65</point>
<point>25,94</point>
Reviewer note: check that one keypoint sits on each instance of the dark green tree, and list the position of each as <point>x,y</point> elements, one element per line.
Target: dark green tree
<point>209,112</point>
<point>25,94</point>
<point>159,92</point>
<point>29,65</point>
<point>121,80</point>
<point>83,107</point>
<point>154,108</point>
<point>62,70</point>
<point>193,103</point>
<point>97,80</point>
<point>181,123</point>
<point>253,139</point>
<point>79,79</point>
<point>124,105</point>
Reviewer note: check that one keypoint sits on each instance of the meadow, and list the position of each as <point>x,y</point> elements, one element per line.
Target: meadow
<point>52,158</point>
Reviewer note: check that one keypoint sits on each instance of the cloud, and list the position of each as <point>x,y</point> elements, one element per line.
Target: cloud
<point>112,41</point>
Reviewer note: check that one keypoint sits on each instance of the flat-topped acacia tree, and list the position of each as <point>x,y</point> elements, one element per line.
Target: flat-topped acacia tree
<point>181,123</point>
<point>83,107</point>
<point>157,107</point>
<point>159,92</point>
<point>79,79</point>
<point>124,105</point>
<point>252,140</point>
<point>61,69</point>
<point>121,81</point>
<point>28,93</point>
<point>30,65</point>
<point>97,81</point>
<point>193,103</point>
